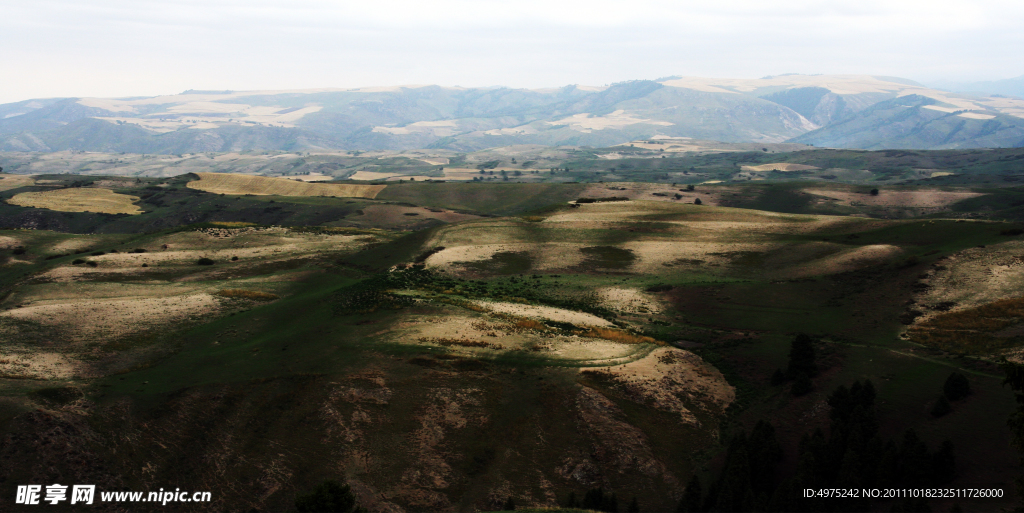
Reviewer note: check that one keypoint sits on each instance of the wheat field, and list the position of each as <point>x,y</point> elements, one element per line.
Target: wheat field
<point>225,183</point>
<point>103,201</point>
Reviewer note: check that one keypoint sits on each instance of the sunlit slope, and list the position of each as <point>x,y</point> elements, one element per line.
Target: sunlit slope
<point>104,201</point>
<point>226,183</point>
<point>573,347</point>
<point>657,238</point>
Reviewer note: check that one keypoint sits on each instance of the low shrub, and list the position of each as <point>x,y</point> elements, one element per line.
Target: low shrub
<point>623,337</point>
<point>254,295</point>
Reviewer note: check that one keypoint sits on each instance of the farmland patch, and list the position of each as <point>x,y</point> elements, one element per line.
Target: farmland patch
<point>103,201</point>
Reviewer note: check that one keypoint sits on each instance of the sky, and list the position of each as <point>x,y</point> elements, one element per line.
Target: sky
<point>115,48</point>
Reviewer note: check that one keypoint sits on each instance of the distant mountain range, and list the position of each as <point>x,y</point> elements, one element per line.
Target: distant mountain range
<point>845,111</point>
<point>1006,87</point>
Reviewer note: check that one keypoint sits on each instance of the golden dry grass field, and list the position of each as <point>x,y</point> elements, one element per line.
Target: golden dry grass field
<point>918,198</point>
<point>225,183</point>
<point>782,166</point>
<point>8,182</point>
<point>104,201</point>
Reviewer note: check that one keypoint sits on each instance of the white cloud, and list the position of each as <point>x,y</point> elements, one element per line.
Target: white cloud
<point>115,47</point>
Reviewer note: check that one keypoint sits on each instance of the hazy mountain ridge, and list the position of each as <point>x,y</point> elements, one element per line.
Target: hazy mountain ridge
<point>841,110</point>
<point>1008,86</point>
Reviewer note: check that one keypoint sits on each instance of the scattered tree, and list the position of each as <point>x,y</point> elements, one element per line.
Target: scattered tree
<point>778,378</point>
<point>597,500</point>
<point>956,387</point>
<point>801,357</point>
<point>941,407</point>
<point>801,385</point>
<point>697,201</point>
<point>1015,378</point>
<point>874,192</point>
<point>634,506</point>
<point>328,497</point>
<point>571,502</point>
<point>851,455</point>
<point>692,494</point>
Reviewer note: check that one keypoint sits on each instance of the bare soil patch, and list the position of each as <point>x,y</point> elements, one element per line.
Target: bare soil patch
<point>781,166</point>
<point>971,278</point>
<point>669,377</point>
<point>545,312</point>
<point>26,363</point>
<point>628,300</point>
<point>925,198</point>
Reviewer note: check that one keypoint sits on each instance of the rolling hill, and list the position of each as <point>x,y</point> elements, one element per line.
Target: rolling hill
<point>848,111</point>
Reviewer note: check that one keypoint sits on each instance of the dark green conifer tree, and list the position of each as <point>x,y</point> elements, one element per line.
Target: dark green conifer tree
<point>691,501</point>
<point>801,357</point>
<point>956,387</point>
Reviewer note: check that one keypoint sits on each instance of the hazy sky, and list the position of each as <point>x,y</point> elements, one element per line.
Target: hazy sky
<point>139,47</point>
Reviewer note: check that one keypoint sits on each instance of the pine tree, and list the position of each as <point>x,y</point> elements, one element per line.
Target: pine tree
<point>956,387</point>
<point>1015,378</point>
<point>778,378</point>
<point>943,465</point>
<point>888,473</point>
<point>765,455</point>
<point>915,462</point>
<point>690,503</point>
<point>734,491</point>
<point>802,385</point>
<point>571,501</point>
<point>593,499</point>
<point>329,496</point>
<point>634,507</point>
<point>801,357</point>
<point>941,407</point>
